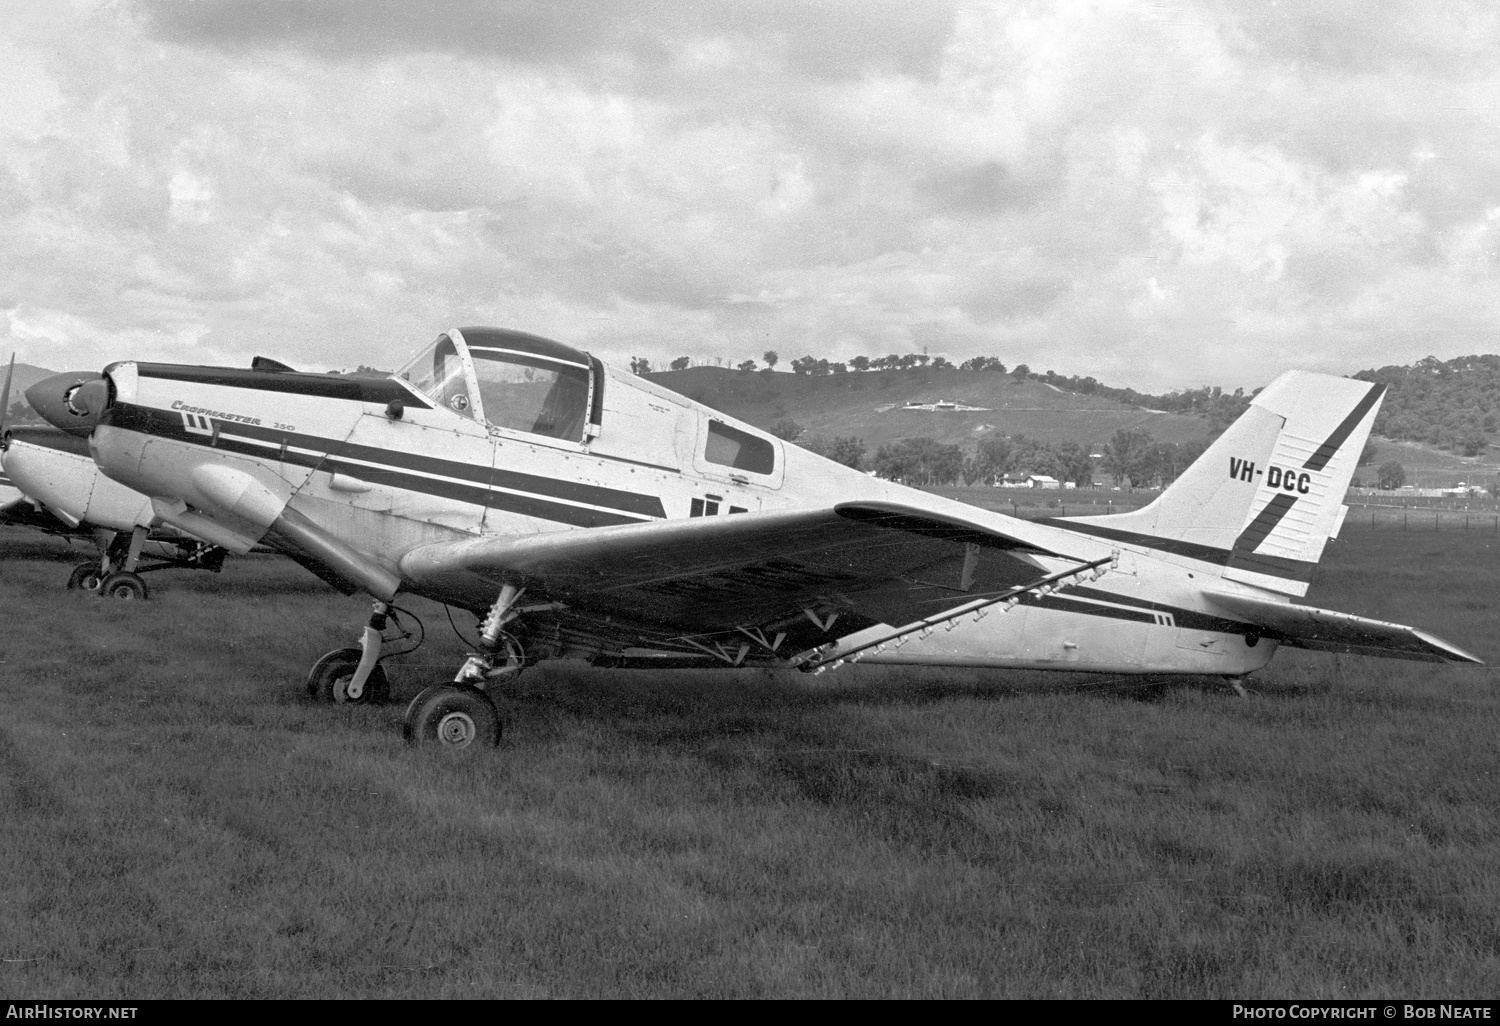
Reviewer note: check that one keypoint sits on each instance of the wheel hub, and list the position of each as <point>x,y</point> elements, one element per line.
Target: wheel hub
<point>457,730</point>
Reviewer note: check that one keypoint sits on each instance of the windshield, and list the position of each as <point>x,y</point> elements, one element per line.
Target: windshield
<point>535,394</point>
<point>438,373</point>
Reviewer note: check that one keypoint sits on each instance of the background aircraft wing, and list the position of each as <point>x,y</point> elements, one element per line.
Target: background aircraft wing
<point>807,575</point>
<point>1328,631</point>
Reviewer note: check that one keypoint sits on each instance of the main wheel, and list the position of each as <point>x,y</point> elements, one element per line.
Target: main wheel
<point>125,586</point>
<point>330,676</point>
<point>85,576</point>
<point>455,717</point>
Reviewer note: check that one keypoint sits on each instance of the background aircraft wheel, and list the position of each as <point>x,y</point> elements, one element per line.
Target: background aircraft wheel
<point>85,576</point>
<point>454,717</point>
<point>124,585</point>
<point>330,676</point>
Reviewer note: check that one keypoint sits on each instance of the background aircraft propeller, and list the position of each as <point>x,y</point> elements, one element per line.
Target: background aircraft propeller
<point>5,399</point>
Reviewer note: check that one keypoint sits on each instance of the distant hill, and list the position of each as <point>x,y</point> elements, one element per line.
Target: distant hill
<point>869,405</point>
<point>1453,404</point>
<point>25,376</point>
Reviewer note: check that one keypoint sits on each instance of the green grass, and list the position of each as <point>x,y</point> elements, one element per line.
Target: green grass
<point>176,820</point>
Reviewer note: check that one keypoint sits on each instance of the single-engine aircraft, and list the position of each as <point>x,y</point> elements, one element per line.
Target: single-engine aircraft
<point>56,487</point>
<point>588,513</point>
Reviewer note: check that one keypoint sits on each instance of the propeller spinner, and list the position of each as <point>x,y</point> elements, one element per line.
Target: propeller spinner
<point>72,401</point>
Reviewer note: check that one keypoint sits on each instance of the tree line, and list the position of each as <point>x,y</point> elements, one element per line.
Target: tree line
<point>1134,459</point>
<point>1220,407</point>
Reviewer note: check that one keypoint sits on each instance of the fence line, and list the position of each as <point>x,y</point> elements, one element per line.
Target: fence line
<point>1385,518</point>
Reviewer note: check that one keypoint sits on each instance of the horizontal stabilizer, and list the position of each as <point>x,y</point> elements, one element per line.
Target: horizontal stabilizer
<point>1327,631</point>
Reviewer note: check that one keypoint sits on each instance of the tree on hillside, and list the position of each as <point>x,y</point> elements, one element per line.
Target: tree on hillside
<point>1078,467</point>
<point>747,366</point>
<point>1126,456</point>
<point>1033,456</point>
<point>640,365</point>
<point>982,363</point>
<point>770,357</point>
<point>848,451</point>
<point>682,363</point>
<point>1021,372</point>
<point>1391,475</point>
<point>787,429</point>
<point>860,363</point>
<point>992,458</point>
<point>919,461</point>
<point>941,363</point>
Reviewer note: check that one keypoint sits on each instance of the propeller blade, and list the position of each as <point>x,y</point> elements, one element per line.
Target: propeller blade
<point>5,395</point>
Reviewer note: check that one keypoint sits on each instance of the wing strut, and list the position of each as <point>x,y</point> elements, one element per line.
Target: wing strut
<point>832,656</point>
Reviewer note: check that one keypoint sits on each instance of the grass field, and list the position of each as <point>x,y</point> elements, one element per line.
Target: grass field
<point>179,821</point>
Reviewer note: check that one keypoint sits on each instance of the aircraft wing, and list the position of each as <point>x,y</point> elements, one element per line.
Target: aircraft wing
<point>1328,631</point>
<point>808,575</point>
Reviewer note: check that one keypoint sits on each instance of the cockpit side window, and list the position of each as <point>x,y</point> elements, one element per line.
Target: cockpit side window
<point>438,373</point>
<point>533,393</point>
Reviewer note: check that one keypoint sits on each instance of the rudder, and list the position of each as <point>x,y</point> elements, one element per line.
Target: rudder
<point>1266,496</point>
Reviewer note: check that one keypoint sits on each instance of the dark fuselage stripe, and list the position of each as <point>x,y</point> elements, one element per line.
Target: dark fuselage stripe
<point>1183,619</point>
<point>572,491</point>
<point>161,424</point>
<point>324,386</point>
<point>1272,566</point>
<point>1191,619</point>
<point>1192,550</point>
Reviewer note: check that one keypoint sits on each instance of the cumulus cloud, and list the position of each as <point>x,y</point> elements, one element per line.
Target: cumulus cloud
<point>1158,196</point>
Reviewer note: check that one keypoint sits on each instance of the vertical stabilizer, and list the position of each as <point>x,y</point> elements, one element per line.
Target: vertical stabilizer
<point>1267,495</point>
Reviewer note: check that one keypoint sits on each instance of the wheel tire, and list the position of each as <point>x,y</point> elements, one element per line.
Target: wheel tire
<point>85,576</point>
<point>454,718</point>
<point>329,680</point>
<point>125,586</point>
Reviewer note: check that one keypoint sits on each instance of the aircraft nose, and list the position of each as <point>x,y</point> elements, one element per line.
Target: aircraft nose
<point>72,401</point>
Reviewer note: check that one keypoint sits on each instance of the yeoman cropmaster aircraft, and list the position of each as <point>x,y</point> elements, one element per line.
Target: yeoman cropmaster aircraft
<point>587,513</point>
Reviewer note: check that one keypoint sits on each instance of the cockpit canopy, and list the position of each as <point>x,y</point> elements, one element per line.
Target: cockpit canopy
<point>512,380</point>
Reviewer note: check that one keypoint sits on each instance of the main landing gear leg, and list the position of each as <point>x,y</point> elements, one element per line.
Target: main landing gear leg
<point>89,574</point>
<point>354,675</point>
<point>462,716</point>
<point>125,583</point>
<point>1238,683</point>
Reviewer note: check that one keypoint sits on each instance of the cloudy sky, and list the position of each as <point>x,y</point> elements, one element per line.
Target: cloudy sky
<point>1159,194</point>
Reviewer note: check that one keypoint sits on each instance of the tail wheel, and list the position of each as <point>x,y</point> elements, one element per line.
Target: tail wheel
<point>454,717</point>
<point>330,676</point>
<point>125,586</point>
<point>85,576</point>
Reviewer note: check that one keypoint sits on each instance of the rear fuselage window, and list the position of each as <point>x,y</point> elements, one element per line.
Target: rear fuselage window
<point>731,447</point>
